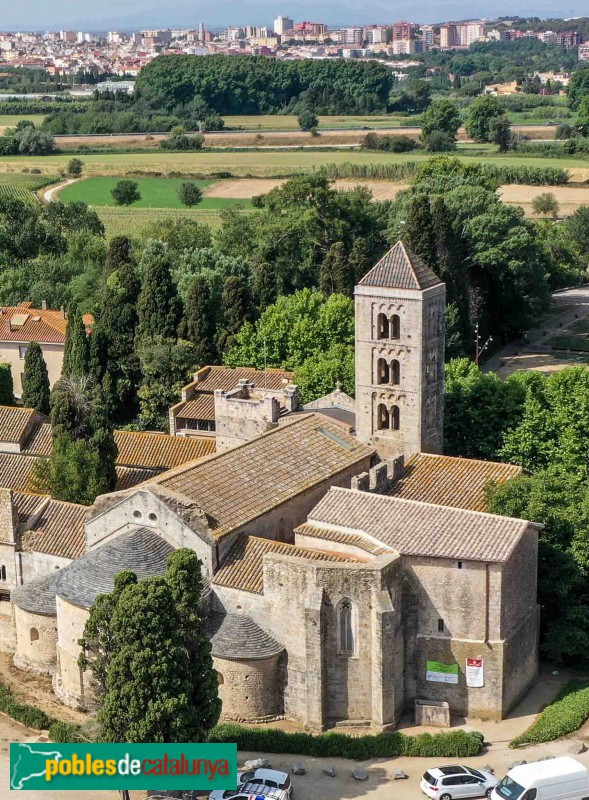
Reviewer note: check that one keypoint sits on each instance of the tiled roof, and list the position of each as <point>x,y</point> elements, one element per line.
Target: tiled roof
<point>448,481</point>
<point>25,324</point>
<point>14,422</point>
<point>420,529</point>
<point>160,450</point>
<point>238,486</point>
<point>127,477</point>
<point>243,567</point>
<point>59,529</point>
<point>16,471</point>
<point>341,537</point>
<point>40,442</point>
<point>238,637</point>
<point>227,378</point>
<point>400,269</point>
<point>203,407</point>
<point>36,596</point>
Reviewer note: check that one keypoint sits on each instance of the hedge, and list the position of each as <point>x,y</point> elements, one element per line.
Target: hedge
<point>451,744</point>
<point>65,732</point>
<point>29,715</point>
<point>566,714</point>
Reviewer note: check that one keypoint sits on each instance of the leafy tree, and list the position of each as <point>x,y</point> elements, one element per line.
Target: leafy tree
<point>578,87</point>
<point>76,354</point>
<point>119,253</point>
<point>180,234</point>
<point>546,203</point>
<point>323,372</point>
<point>103,442</point>
<point>439,142</point>
<point>126,193</point>
<point>236,307</point>
<point>75,167</point>
<point>337,274</point>
<point>583,116</point>
<point>442,116</point>
<point>155,620</point>
<point>68,218</point>
<point>35,380</point>
<point>481,113</point>
<point>418,231</point>
<point>307,119</point>
<point>577,230</point>
<point>32,142</point>
<point>189,194</point>
<point>166,366</point>
<point>6,386</point>
<point>159,308</point>
<point>500,133</point>
<point>199,321</point>
<point>179,140</point>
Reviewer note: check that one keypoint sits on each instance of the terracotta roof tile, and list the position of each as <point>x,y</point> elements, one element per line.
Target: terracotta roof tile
<point>238,486</point>
<point>15,422</point>
<point>202,407</point>
<point>448,481</point>
<point>400,269</point>
<point>40,442</point>
<point>25,324</point>
<point>208,379</point>
<point>341,537</point>
<point>420,529</point>
<point>243,567</point>
<point>16,471</point>
<point>160,450</point>
<point>127,477</point>
<point>57,531</point>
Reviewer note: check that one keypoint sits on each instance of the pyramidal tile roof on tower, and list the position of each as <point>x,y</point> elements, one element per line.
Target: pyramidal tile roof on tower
<point>400,269</point>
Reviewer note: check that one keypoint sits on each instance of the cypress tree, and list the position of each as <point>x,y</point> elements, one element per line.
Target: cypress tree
<point>264,284</point>
<point>76,355</point>
<point>159,308</point>
<point>119,253</point>
<point>418,233</point>
<point>336,275</point>
<point>6,386</point>
<point>200,321</point>
<point>103,443</point>
<point>35,380</point>
<point>360,258</point>
<point>235,304</point>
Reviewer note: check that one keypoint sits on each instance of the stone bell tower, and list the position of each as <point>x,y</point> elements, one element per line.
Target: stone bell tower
<point>400,356</point>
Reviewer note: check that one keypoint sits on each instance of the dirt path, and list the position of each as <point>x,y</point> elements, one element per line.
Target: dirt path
<point>569,198</point>
<point>49,194</point>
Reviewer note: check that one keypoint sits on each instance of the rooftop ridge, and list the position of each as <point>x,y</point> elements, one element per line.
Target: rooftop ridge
<point>400,268</point>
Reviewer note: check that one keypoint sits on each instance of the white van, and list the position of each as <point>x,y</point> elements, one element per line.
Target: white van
<point>554,779</point>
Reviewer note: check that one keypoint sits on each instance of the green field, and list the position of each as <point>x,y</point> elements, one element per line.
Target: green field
<point>120,221</point>
<point>21,185</point>
<point>287,122</point>
<point>255,163</point>
<point>10,120</point>
<point>155,193</point>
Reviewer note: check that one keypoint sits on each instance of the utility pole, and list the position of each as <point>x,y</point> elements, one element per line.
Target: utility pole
<point>477,341</point>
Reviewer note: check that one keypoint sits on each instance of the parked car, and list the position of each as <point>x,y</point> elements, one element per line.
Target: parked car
<point>268,777</point>
<point>268,783</point>
<point>249,791</point>
<point>454,781</point>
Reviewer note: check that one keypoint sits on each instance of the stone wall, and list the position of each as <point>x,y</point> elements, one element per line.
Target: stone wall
<point>243,415</point>
<point>7,628</point>
<point>69,683</point>
<point>36,641</point>
<point>250,690</point>
<point>34,565</point>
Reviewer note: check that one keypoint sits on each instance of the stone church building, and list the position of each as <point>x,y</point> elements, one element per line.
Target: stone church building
<point>351,570</point>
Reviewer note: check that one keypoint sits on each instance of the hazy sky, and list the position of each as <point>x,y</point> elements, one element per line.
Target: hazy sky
<point>130,14</point>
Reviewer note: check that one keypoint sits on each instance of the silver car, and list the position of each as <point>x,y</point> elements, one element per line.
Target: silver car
<point>455,781</point>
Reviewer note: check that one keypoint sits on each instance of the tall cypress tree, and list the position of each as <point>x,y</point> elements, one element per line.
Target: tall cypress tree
<point>200,321</point>
<point>336,275</point>
<point>264,284</point>
<point>159,307</point>
<point>418,233</point>
<point>360,258</point>
<point>35,380</point>
<point>76,355</point>
<point>103,443</point>
<point>119,253</point>
<point>235,302</point>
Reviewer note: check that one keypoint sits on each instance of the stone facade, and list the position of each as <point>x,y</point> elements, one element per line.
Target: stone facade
<point>36,641</point>
<point>250,690</point>
<point>243,414</point>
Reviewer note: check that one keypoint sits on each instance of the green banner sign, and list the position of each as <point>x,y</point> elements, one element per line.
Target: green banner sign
<point>35,767</point>
<point>437,666</point>
<point>437,672</point>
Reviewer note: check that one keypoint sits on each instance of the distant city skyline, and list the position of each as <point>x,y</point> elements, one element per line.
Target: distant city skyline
<point>108,14</point>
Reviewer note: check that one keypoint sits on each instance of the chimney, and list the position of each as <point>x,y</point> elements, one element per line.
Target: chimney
<point>44,305</point>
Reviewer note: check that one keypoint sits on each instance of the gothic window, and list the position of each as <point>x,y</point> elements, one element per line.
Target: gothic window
<point>2,573</point>
<point>382,371</point>
<point>395,372</point>
<point>383,417</point>
<point>382,327</point>
<point>395,418</point>
<point>345,613</point>
<point>34,634</point>
<point>395,327</point>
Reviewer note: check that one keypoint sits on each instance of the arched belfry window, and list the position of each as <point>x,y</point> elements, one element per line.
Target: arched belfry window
<point>2,573</point>
<point>395,327</point>
<point>395,418</point>
<point>395,372</point>
<point>382,326</point>
<point>382,371</point>
<point>382,417</point>
<point>346,633</point>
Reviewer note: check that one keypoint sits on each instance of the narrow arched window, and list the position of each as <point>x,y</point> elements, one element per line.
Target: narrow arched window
<point>395,372</point>
<point>395,418</point>
<point>382,371</point>
<point>220,679</point>
<point>2,573</point>
<point>382,327</point>
<point>34,634</point>
<point>395,327</point>
<point>382,417</point>
<point>345,612</point>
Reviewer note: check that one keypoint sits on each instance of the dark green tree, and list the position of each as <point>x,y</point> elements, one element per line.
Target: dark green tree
<point>74,167</point>
<point>189,194</point>
<point>6,386</point>
<point>119,253</point>
<point>126,192</point>
<point>236,307</point>
<point>76,354</point>
<point>500,133</point>
<point>442,116</point>
<point>166,366</point>
<point>103,442</point>
<point>361,257</point>
<point>199,321</point>
<point>35,380</point>
<point>336,275</point>
<point>418,233</point>
<point>307,119</point>
<point>481,113</point>
<point>159,308</point>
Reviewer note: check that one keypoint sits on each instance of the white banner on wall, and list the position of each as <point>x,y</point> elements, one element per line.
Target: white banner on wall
<point>475,676</point>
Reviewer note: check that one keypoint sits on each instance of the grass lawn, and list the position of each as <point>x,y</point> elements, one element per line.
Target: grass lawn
<point>10,120</point>
<point>132,222</point>
<point>155,193</point>
<point>282,122</point>
<point>575,338</point>
<point>256,163</point>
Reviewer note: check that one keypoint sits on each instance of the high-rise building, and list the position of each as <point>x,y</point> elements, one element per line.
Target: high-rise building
<point>283,24</point>
<point>403,30</point>
<point>201,32</point>
<point>352,35</point>
<point>428,36</point>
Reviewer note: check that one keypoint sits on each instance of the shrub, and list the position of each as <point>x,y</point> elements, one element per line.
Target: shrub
<point>391,144</point>
<point>439,142</point>
<point>28,715</point>
<point>189,194</point>
<point>64,732</point>
<point>451,744</point>
<point>125,193</point>
<point>566,714</point>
